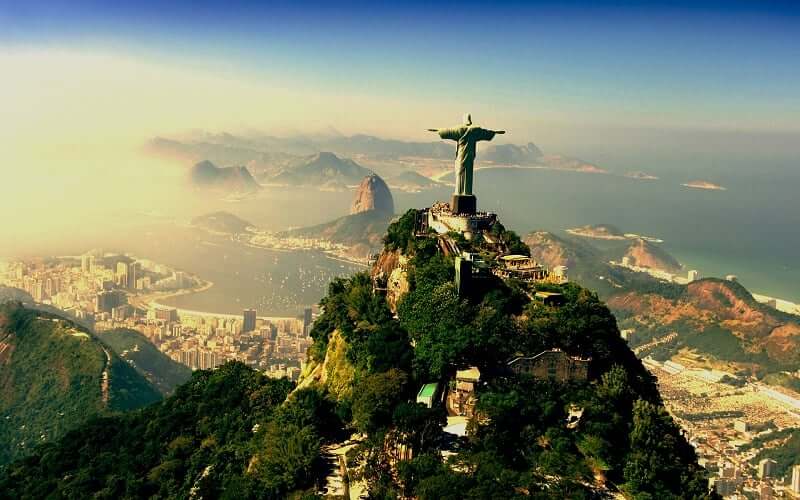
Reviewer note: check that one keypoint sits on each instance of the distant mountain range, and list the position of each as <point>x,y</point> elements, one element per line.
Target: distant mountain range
<point>321,170</point>
<point>206,175</point>
<point>412,181</point>
<point>511,154</point>
<point>54,375</point>
<point>267,153</point>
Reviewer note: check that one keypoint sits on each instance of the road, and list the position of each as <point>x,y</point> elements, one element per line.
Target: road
<point>654,343</point>
<point>105,382</point>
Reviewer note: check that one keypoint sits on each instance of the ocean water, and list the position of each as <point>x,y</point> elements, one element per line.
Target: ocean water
<point>275,283</point>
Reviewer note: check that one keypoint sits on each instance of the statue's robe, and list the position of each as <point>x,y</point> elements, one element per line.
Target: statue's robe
<point>467,137</point>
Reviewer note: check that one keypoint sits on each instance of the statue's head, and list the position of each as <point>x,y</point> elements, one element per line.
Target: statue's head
<point>467,119</point>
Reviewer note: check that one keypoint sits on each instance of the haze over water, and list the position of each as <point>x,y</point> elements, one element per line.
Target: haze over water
<point>747,230</point>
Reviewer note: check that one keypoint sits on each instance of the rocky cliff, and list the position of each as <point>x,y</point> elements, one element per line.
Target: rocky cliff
<point>710,305</point>
<point>391,268</point>
<point>334,374</point>
<point>644,254</point>
<point>372,194</point>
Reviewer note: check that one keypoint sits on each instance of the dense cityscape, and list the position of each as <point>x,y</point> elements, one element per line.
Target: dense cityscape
<point>108,291</point>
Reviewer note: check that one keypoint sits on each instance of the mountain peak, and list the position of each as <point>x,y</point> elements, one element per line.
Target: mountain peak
<point>326,156</point>
<point>206,174</point>
<point>373,194</point>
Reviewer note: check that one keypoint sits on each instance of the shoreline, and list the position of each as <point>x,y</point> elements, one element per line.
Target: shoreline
<point>207,314</point>
<point>156,300</point>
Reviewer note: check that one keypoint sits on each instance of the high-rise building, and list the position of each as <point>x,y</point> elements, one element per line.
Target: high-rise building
<point>121,312</point>
<point>122,274</point>
<point>307,321</point>
<point>273,331</point>
<point>106,301</point>
<point>134,273</point>
<point>693,275</point>
<point>796,479</point>
<point>166,314</point>
<point>86,263</point>
<point>249,321</point>
<point>766,468</point>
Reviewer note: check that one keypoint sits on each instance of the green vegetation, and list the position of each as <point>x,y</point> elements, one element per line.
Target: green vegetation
<point>713,341</point>
<point>783,380</point>
<point>51,380</point>
<point>785,454</point>
<point>164,373</point>
<point>510,240</point>
<point>400,234</point>
<point>226,433</point>
<point>718,342</point>
<point>519,444</point>
<point>762,440</point>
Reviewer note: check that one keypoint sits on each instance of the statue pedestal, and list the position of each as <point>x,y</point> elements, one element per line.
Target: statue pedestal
<point>464,204</point>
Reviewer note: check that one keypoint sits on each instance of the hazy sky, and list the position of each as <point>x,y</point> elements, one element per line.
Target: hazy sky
<point>84,83</point>
<point>530,66</point>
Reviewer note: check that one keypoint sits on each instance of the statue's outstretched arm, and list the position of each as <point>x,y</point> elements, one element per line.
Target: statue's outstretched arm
<point>433,130</point>
<point>499,131</point>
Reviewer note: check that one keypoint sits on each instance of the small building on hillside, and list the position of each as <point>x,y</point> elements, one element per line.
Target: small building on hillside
<point>441,219</point>
<point>521,267</point>
<point>554,299</point>
<point>461,397</point>
<point>469,267</point>
<point>429,394</point>
<point>558,275</point>
<point>553,364</point>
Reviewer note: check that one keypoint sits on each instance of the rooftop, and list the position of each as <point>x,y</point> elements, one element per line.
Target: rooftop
<point>515,257</point>
<point>428,390</point>
<point>470,374</point>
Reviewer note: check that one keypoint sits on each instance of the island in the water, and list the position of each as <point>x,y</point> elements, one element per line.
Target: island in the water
<point>598,231</point>
<point>642,176</point>
<point>609,232</point>
<point>704,185</point>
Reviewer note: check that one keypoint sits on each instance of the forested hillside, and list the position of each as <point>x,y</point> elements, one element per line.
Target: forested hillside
<point>133,347</point>
<point>55,375</point>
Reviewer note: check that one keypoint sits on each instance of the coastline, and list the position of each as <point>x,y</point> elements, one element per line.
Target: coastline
<point>156,300</point>
<point>206,314</point>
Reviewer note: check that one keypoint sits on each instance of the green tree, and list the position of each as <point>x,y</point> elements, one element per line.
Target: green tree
<point>376,398</point>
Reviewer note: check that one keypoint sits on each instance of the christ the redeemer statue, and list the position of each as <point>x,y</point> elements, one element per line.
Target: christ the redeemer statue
<point>467,136</point>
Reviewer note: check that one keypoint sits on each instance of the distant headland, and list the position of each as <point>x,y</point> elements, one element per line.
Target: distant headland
<point>704,185</point>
